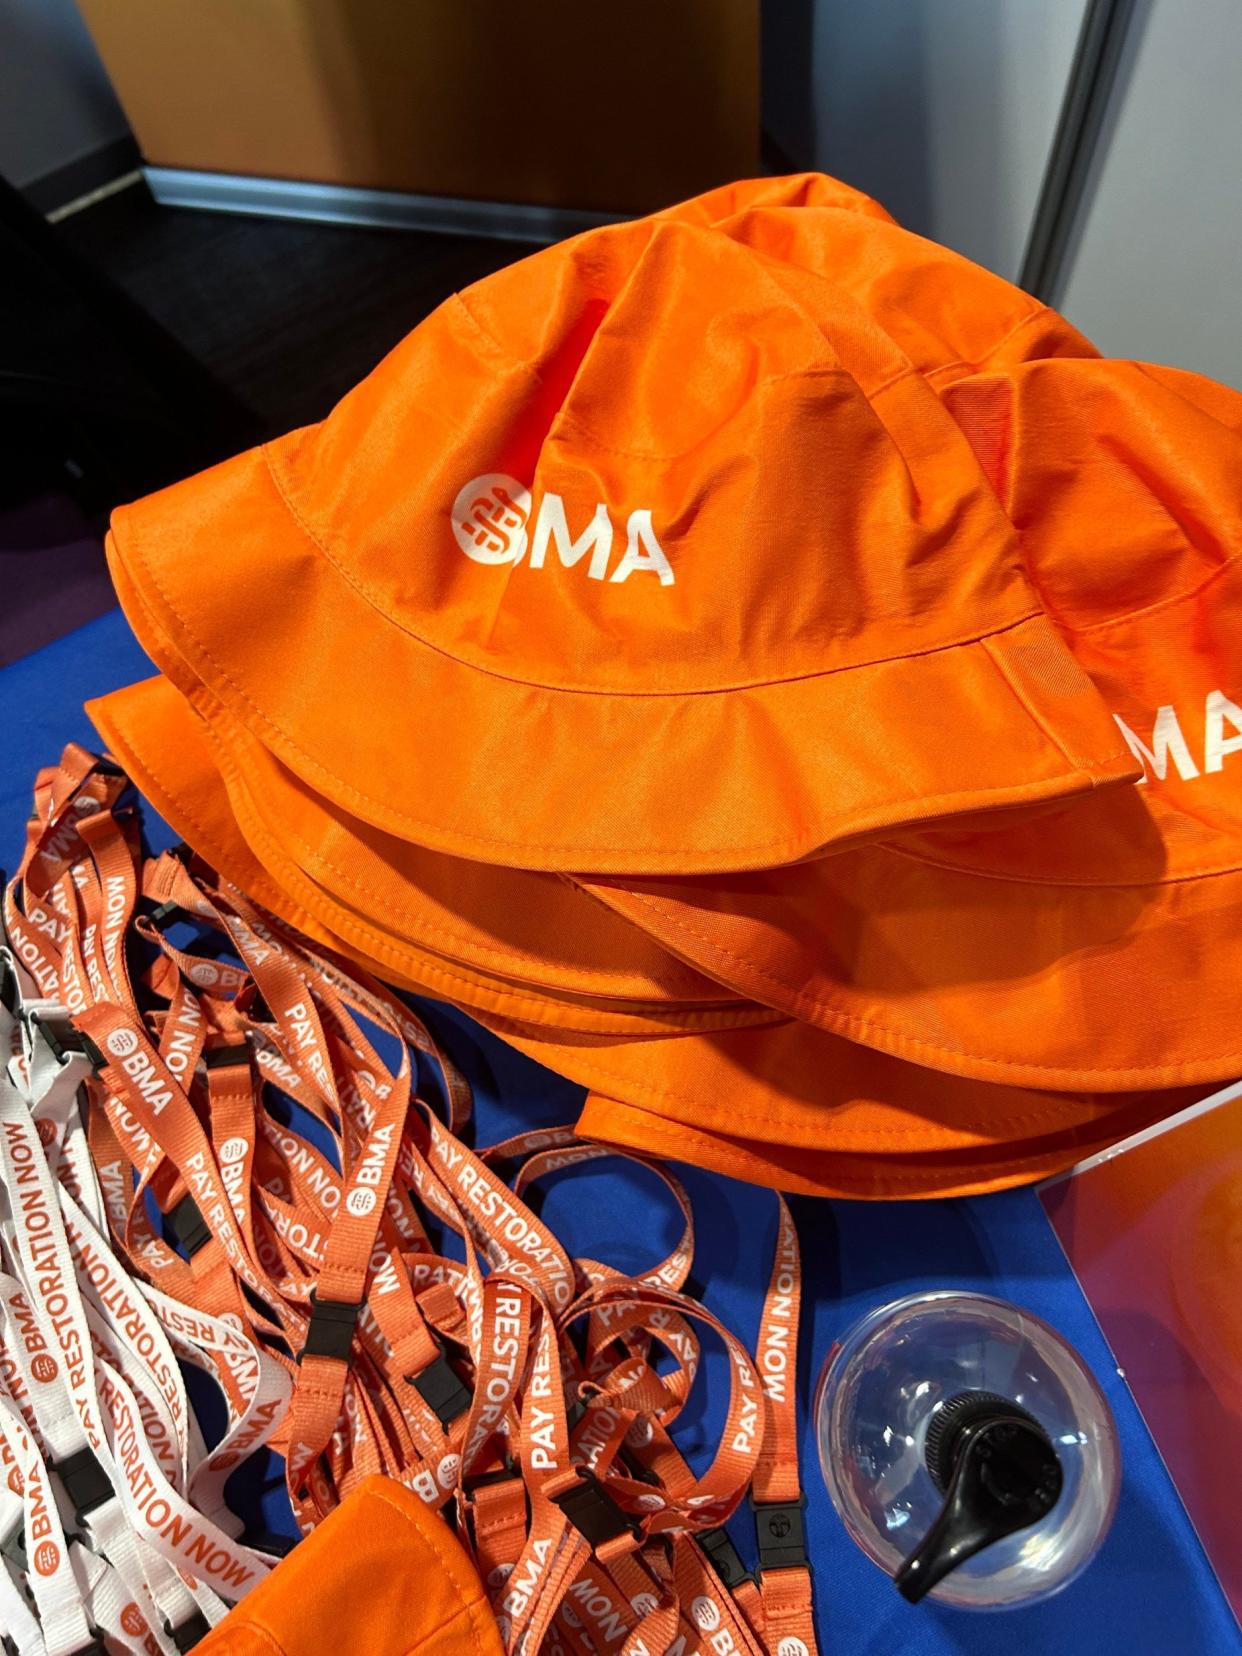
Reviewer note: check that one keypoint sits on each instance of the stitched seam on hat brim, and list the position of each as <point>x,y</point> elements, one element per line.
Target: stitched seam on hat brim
<point>1036,715</point>
<point>1042,883</point>
<point>941,803</point>
<point>149,782</point>
<point>683,1133</point>
<point>886,1038</point>
<point>431,930</point>
<point>428,931</point>
<point>781,1119</point>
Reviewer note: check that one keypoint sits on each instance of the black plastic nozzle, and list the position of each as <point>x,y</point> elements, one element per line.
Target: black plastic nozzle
<point>999,1473</point>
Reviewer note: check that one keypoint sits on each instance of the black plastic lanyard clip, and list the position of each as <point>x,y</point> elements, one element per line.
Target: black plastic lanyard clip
<point>166,914</point>
<point>188,1226</point>
<point>65,1040</point>
<point>10,985</point>
<point>781,1533</point>
<point>508,1473</point>
<point>442,1389</point>
<point>190,1632</point>
<point>724,1557</point>
<point>330,1332</point>
<point>13,1547</point>
<point>84,1481</point>
<point>267,1541</point>
<point>593,1512</point>
<point>230,1055</point>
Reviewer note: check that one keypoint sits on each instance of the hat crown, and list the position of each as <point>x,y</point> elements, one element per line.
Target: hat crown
<point>659,459</point>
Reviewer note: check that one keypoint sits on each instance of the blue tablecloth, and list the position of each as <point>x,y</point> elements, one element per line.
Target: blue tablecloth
<point>1149,1591</point>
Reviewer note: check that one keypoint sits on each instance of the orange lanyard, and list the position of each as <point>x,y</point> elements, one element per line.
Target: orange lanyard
<point>529,1394</point>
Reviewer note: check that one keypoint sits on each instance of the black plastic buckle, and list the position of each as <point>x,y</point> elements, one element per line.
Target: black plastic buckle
<point>442,1389</point>
<point>330,1332</point>
<point>84,1481</point>
<point>188,1226</point>
<point>13,1547</point>
<point>724,1556</point>
<point>165,914</point>
<point>593,1512</point>
<point>10,988</point>
<point>67,1041</point>
<point>781,1533</point>
<point>190,1632</point>
<point>267,1541</point>
<point>259,1011</point>
<point>230,1056</point>
<point>487,1480</point>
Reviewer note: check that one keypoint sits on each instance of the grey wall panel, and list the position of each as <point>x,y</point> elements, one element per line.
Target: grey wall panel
<point>943,109</point>
<point>1155,268</point>
<point>56,104</point>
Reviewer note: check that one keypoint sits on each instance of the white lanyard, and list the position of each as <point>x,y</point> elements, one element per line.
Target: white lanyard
<point>111,1506</point>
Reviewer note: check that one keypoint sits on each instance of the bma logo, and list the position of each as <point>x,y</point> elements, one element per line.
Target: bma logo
<point>705,1613</point>
<point>360,1202</point>
<point>1222,736</point>
<point>492,522</point>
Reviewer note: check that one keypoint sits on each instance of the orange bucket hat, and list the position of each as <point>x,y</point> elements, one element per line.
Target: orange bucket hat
<point>1096,948</point>
<point>383,1573</point>
<point>654,553</point>
<point>787,1104</point>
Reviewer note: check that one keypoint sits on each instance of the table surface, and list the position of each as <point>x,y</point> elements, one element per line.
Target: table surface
<point>1149,1590</point>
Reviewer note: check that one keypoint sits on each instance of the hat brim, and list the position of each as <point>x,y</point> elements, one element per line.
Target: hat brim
<point>1069,985</point>
<point>524,776</point>
<point>190,770</point>
<point>796,1108</point>
<point>785,1105</point>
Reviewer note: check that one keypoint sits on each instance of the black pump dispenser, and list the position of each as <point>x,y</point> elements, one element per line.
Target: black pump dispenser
<point>999,1473</point>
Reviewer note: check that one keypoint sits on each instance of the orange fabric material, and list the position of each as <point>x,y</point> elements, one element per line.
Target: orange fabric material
<point>383,1573</point>
<point>1097,947</point>
<point>787,1105</point>
<point>801,1110</point>
<point>526,944</point>
<point>522,601</point>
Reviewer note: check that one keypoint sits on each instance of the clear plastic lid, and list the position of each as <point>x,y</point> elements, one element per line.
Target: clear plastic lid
<point>886,1382</point>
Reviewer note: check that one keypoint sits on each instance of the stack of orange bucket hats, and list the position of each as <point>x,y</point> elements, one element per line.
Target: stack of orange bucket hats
<point>755,661</point>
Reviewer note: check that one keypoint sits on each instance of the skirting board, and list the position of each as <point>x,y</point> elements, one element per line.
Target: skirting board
<point>346,204</point>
